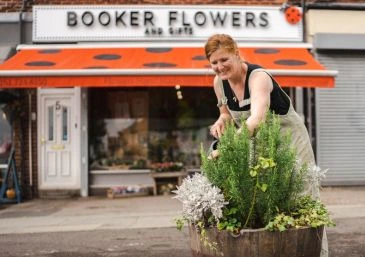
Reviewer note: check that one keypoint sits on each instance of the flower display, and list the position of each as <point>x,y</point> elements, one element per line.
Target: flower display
<point>166,166</point>
<point>255,182</point>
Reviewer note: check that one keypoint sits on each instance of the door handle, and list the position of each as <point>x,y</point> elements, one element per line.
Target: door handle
<point>43,141</point>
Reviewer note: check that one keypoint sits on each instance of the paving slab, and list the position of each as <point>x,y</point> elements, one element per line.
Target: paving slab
<point>100,213</point>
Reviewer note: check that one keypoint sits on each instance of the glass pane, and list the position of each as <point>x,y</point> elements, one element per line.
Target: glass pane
<point>50,123</point>
<point>179,123</point>
<point>64,123</point>
<point>5,133</point>
<point>138,128</point>
<point>118,129</point>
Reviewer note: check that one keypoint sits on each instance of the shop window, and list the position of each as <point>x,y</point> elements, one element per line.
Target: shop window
<point>5,134</point>
<point>139,128</point>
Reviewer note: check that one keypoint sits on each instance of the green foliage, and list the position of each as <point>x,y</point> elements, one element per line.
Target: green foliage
<point>258,175</point>
<point>179,223</point>
<point>200,227</point>
<point>307,212</point>
<point>205,239</point>
<point>229,221</point>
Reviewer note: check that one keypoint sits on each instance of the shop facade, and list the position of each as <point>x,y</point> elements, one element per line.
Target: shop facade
<point>339,44</point>
<point>111,93</point>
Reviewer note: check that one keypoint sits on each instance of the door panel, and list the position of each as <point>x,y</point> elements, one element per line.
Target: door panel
<point>51,165</point>
<point>57,144</point>
<point>65,164</point>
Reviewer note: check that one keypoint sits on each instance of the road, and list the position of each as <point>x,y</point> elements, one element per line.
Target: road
<point>347,239</point>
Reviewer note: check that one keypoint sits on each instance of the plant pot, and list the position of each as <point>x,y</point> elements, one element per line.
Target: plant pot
<point>302,242</point>
<point>10,193</point>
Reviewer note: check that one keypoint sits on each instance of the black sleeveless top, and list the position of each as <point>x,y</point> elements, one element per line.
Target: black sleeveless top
<point>279,101</point>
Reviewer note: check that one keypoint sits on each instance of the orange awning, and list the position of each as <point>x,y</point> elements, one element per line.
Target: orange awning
<point>155,66</point>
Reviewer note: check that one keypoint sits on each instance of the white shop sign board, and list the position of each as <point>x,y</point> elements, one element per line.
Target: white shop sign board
<point>73,23</point>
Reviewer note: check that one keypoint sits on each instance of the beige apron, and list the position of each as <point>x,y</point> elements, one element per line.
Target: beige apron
<point>300,141</point>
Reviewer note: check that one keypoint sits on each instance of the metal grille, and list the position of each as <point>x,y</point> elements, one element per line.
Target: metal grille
<point>340,114</point>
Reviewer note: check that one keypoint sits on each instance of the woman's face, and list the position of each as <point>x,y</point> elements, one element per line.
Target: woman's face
<point>223,63</point>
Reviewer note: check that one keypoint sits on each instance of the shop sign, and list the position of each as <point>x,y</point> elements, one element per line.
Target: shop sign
<point>164,23</point>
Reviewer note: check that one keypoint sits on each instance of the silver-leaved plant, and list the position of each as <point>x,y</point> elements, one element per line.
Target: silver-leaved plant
<point>199,198</point>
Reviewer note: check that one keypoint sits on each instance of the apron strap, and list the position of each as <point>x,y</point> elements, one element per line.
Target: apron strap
<point>223,100</point>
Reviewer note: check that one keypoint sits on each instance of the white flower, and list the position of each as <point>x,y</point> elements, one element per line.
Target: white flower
<point>316,175</point>
<point>313,181</point>
<point>199,197</point>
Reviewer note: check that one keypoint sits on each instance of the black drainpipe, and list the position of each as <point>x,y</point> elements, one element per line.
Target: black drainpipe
<point>304,20</point>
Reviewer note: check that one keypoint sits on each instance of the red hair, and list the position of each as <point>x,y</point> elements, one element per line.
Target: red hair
<point>218,41</point>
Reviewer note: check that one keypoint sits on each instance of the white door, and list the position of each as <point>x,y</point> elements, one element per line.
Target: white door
<point>58,143</point>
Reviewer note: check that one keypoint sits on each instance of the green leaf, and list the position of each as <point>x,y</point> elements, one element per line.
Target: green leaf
<point>281,228</point>
<point>230,228</point>
<point>253,173</point>
<point>265,164</point>
<point>232,211</point>
<point>264,187</point>
<point>233,220</point>
<point>221,225</point>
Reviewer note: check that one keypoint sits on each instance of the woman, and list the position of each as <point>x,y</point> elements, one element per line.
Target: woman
<point>246,91</point>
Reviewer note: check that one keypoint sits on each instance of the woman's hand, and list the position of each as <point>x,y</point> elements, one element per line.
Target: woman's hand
<point>214,154</point>
<point>217,129</point>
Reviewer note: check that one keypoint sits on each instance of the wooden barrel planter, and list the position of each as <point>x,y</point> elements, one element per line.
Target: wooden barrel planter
<point>302,242</point>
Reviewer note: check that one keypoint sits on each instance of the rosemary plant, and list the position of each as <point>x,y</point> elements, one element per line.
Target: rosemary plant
<point>259,176</point>
<point>255,182</point>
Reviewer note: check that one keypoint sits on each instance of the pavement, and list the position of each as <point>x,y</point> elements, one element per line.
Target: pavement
<point>90,213</point>
<point>101,213</point>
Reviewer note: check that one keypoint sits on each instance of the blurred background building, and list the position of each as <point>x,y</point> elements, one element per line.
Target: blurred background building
<point>97,95</point>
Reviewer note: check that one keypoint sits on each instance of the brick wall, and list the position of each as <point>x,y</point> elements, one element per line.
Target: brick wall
<point>21,143</point>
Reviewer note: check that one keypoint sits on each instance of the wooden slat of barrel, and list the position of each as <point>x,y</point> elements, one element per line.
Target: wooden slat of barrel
<point>288,242</point>
<point>269,244</point>
<point>304,242</point>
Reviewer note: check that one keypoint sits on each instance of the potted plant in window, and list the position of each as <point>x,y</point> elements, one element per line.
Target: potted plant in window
<point>249,201</point>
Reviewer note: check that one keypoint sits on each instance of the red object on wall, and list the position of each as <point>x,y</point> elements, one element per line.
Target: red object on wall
<point>293,15</point>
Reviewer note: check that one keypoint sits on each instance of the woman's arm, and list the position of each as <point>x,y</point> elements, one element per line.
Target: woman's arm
<point>217,128</point>
<point>260,85</point>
